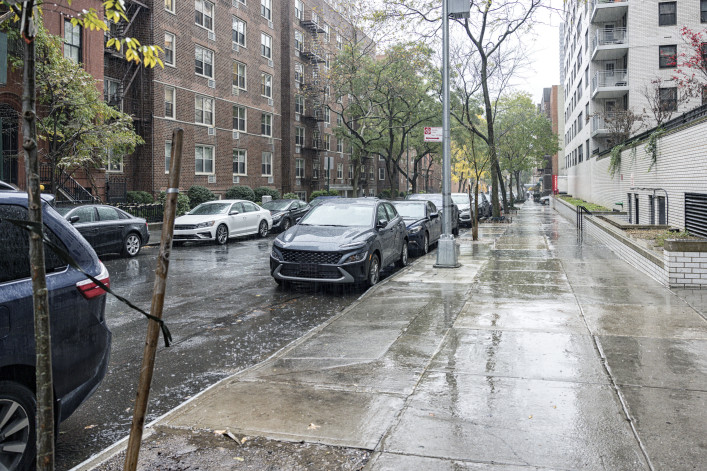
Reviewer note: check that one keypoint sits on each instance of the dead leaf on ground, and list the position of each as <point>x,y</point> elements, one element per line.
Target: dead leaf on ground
<point>313,426</point>
<point>88,427</point>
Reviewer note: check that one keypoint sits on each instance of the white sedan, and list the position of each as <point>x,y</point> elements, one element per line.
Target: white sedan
<point>219,220</point>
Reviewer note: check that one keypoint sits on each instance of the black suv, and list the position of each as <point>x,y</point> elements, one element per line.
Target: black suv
<point>341,241</point>
<point>80,337</point>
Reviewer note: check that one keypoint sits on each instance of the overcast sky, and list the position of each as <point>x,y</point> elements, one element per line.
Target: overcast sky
<point>545,55</point>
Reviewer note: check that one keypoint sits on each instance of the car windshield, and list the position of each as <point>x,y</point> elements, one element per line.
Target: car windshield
<point>276,205</point>
<point>210,208</point>
<point>460,198</point>
<point>63,209</point>
<point>408,211</point>
<point>344,215</point>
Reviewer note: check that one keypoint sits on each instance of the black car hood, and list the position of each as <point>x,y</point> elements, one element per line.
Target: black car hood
<point>409,222</point>
<point>323,238</point>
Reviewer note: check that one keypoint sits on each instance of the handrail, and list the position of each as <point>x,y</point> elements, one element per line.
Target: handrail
<point>581,211</point>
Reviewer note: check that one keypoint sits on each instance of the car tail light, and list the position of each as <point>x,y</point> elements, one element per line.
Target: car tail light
<point>91,290</point>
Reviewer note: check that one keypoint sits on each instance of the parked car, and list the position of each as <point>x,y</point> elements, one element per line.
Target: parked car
<point>81,339</point>
<point>4,186</point>
<point>220,220</point>
<point>285,213</point>
<point>436,198</point>
<point>341,241</point>
<point>423,223</point>
<point>108,229</point>
<point>321,199</point>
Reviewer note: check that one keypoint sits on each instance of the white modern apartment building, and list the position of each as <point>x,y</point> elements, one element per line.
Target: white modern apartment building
<point>612,51</point>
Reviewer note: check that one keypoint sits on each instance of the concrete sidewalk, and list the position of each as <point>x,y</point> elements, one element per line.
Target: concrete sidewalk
<point>540,351</point>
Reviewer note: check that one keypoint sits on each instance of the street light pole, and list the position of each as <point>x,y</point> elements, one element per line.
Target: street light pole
<point>407,167</point>
<point>447,248</point>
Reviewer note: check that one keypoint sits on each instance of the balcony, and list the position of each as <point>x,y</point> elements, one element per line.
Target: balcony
<point>599,126</point>
<point>609,84</point>
<point>604,11</point>
<point>609,44</point>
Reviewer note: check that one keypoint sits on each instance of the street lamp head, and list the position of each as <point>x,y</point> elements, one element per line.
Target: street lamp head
<point>458,9</point>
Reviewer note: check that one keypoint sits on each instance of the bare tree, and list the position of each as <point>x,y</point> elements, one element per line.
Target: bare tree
<point>664,98</point>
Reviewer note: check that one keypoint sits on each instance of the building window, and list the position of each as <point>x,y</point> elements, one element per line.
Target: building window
<point>204,159</point>
<point>239,74</point>
<point>299,41</point>
<point>204,14</point>
<point>301,195</point>
<point>167,155</point>
<point>350,171</point>
<point>266,9</point>
<point>267,164</point>
<point>339,120</point>
<point>299,136</point>
<point>239,117</point>
<point>340,171</point>
<point>169,100</point>
<point>299,168</point>
<point>327,115</point>
<point>667,13</point>
<point>339,42</point>
<point>327,141</point>
<point>327,36</point>
<point>204,110</point>
<point>266,124</point>
<point>340,145</point>
<point>169,6</point>
<point>204,62</point>
<point>239,29</point>
<point>265,45</point>
<point>114,163</point>
<point>299,10</point>
<point>266,85</point>
<point>299,104</point>
<point>72,41</point>
<point>703,11</point>
<point>299,73</point>
<point>381,173</point>
<point>239,161</point>
<point>169,49</point>
<point>668,98</point>
<point>371,175</point>
<point>315,170</point>
<point>315,140</point>
<point>667,56</point>
<point>111,93</point>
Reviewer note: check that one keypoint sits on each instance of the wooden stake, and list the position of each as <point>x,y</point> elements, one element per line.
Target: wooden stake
<point>158,291</point>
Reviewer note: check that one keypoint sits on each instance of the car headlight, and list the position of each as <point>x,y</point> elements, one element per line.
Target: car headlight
<point>357,257</point>
<point>466,211</point>
<point>276,217</point>
<point>414,230</point>
<point>204,224</point>
<point>276,254</point>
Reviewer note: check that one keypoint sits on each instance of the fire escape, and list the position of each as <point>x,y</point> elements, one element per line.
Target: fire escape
<point>313,90</point>
<point>128,88</point>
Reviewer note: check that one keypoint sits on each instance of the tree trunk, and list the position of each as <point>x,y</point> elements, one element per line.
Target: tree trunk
<point>493,157</point>
<point>40,297</point>
<point>518,183</point>
<point>501,186</point>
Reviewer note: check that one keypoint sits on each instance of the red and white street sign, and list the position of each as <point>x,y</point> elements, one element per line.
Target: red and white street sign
<point>433,134</point>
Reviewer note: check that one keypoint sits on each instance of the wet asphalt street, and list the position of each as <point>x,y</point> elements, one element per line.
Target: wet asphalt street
<point>225,313</point>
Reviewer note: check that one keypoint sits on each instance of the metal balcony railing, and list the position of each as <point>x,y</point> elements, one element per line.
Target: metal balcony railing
<point>614,78</point>
<point>609,37</point>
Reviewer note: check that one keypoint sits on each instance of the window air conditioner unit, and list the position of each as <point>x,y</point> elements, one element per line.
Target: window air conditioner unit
<point>212,36</point>
<point>235,178</point>
<point>270,63</point>
<point>271,180</point>
<point>296,52</point>
<point>212,131</point>
<point>234,3</point>
<point>235,91</point>
<point>298,182</point>
<point>298,149</point>
<point>296,116</point>
<point>236,47</point>
<point>270,102</point>
<point>236,135</point>
<point>270,140</point>
<point>212,179</point>
<point>270,25</point>
<point>212,83</point>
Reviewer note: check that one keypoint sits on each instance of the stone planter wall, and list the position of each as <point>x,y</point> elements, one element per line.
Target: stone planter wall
<point>687,263</point>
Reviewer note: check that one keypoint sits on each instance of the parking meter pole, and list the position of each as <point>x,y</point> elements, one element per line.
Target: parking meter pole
<point>158,292</point>
<point>447,250</point>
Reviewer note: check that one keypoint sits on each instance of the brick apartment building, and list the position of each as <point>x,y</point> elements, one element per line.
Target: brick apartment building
<point>81,45</point>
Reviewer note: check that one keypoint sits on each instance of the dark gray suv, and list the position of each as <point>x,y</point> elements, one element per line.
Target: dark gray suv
<point>80,337</point>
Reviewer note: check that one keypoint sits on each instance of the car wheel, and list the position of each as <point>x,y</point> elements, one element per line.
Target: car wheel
<point>374,269</point>
<point>403,260</point>
<point>17,432</point>
<point>263,229</point>
<point>221,234</point>
<point>286,224</point>
<point>425,244</point>
<point>131,245</point>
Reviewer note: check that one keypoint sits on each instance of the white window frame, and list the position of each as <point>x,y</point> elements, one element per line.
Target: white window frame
<point>327,141</point>
<point>315,170</point>
<point>169,6</point>
<point>238,152</point>
<point>351,168</point>
<point>266,164</point>
<point>327,35</point>
<point>266,9</point>
<point>299,168</point>
<point>237,22</point>
<point>205,52</point>
<point>340,145</point>
<point>173,92</point>
<point>111,160</point>
<point>299,99</point>
<point>266,45</point>
<point>339,42</point>
<point>203,148</point>
<point>381,173</point>
<point>327,115</point>
<point>299,73</point>
<point>266,85</point>
<point>299,10</point>
<point>173,49</point>
<point>236,75</point>
<point>300,136</point>
<point>299,40</point>
<point>108,83</point>
<point>266,124</point>
<point>339,171</point>
<point>167,155</point>
<point>205,5</point>
<point>200,103</point>
<point>244,120</point>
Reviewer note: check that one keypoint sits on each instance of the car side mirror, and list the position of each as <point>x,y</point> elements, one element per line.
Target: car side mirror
<point>434,215</point>
<point>235,211</point>
<point>74,219</point>
<point>298,220</point>
<point>381,223</point>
